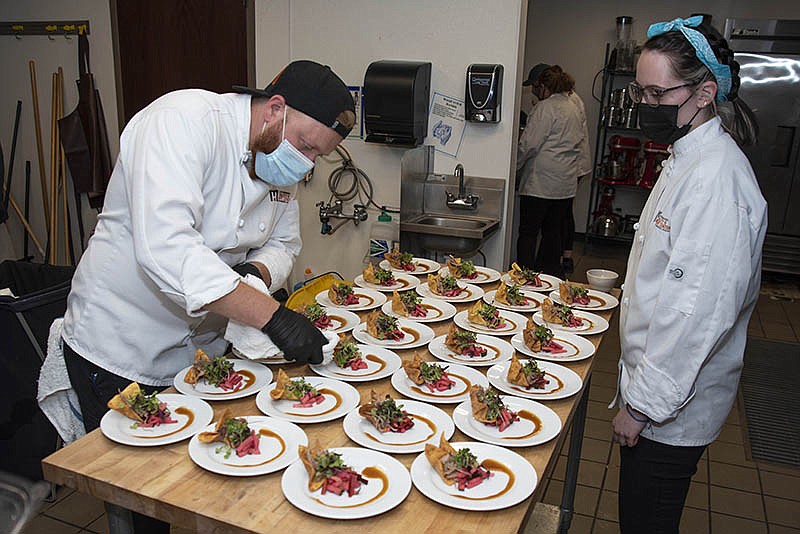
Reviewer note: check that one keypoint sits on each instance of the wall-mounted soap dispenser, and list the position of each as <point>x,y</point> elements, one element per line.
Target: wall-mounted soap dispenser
<point>483,92</point>
<point>396,95</point>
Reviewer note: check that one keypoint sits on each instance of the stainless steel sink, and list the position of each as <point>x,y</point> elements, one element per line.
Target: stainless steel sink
<point>450,234</point>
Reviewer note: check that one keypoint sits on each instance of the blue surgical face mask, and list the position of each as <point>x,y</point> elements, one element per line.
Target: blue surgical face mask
<point>285,165</point>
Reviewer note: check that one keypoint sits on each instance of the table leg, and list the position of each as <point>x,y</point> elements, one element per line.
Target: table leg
<point>120,520</point>
<point>573,460</point>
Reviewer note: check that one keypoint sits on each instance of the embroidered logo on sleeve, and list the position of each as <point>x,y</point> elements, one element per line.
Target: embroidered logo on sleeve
<point>661,222</point>
<point>276,195</point>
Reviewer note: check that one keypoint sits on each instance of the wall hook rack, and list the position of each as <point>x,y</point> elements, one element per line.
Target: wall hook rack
<point>50,28</point>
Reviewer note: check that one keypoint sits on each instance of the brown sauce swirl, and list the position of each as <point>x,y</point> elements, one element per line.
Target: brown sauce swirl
<point>371,473</point>
<point>441,395</point>
<point>534,390</point>
<point>494,465</point>
<point>247,377</point>
<point>268,434</point>
<point>537,424</point>
<point>323,391</point>
<point>431,427</point>
<point>181,410</point>
<point>372,358</point>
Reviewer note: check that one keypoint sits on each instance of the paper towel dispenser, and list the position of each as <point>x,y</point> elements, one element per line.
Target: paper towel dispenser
<point>396,95</point>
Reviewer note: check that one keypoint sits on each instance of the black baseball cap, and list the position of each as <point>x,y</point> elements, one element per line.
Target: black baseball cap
<point>533,75</point>
<point>313,89</point>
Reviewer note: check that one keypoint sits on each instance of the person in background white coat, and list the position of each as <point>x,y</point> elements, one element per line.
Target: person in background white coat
<point>693,273</point>
<point>203,192</point>
<point>547,158</point>
<point>584,160</point>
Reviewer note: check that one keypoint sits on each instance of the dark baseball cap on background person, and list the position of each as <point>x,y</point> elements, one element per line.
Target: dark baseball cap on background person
<point>533,75</point>
<point>315,90</point>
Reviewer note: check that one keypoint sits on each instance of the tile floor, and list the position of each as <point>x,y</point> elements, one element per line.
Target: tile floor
<point>729,494</point>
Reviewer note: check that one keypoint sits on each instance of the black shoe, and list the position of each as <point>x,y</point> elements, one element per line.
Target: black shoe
<point>568,265</point>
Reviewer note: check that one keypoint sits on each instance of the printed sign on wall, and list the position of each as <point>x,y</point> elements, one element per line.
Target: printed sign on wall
<point>446,123</point>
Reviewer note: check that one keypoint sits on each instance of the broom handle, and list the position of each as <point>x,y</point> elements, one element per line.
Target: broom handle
<point>53,234</point>
<point>24,222</point>
<point>63,171</point>
<point>38,127</point>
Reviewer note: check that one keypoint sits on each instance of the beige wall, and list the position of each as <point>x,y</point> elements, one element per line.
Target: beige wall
<point>48,55</point>
<point>573,34</point>
<point>349,35</point>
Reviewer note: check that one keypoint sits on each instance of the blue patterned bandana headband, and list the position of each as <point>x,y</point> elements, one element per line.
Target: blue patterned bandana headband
<point>722,73</point>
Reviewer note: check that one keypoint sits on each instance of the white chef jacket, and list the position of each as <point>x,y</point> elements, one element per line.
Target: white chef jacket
<point>549,149</point>
<point>693,278</point>
<point>180,209</point>
<point>585,157</point>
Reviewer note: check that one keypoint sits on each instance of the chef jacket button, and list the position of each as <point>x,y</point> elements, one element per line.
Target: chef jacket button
<point>636,226</point>
<point>626,300</point>
<point>241,223</point>
<point>641,239</point>
<point>262,226</point>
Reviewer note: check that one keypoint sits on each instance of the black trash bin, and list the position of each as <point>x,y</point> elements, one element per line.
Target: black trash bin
<point>26,435</point>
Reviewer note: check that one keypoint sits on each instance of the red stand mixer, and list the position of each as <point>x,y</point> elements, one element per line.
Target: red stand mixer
<point>621,163</point>
<point>654,156</point>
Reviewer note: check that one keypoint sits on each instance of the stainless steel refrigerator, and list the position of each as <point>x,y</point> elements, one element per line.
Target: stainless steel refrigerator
<point>768,51</point>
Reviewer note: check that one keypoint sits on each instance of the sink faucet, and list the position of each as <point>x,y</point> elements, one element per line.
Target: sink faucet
<point>463,201</point>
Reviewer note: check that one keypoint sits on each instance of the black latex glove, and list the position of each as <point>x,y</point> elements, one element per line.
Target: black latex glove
<point>295,335</point>
<point>243,269</point>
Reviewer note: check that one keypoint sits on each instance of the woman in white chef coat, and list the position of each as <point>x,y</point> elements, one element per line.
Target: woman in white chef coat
<point>548,156</point>
<point>202,193</point>
<point>693,273</point>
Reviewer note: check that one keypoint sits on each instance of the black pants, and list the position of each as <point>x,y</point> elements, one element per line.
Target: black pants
<point>545,216</point>
<point>568,232</point>
<point>95,387</point>
<point>653,482</point>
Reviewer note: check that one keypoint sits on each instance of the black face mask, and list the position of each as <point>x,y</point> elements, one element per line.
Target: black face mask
<point>661,123</point>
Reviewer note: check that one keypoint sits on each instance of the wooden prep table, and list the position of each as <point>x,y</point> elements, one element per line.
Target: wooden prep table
<point>163,482</point>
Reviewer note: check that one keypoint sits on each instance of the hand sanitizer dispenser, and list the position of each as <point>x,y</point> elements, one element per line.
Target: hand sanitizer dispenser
<point>484,87</point>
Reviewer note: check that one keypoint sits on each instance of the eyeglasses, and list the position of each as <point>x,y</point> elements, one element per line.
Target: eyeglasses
<point>650,95</point>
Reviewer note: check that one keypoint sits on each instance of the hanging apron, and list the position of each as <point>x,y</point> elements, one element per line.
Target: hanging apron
<point>84,135</point>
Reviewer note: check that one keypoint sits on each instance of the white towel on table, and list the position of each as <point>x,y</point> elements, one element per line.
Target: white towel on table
<point>254,344</point>
<point>56,398</point>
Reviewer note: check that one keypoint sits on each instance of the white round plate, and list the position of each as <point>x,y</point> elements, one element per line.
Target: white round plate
<point>563,382</point>
<point>592,324</point>
<point>597,301</point>
<point>471,293</point>
<point>422,266</point>
<point>417,335</point>
<point>534,301</point>
<point>429,423</point>
<point>438,310</point>
<point>341,320</point>
<point>340,398</point>
<point>514,323</point>
<point>373,498</point>
<point>549,282</point>
<point>537,424</point>
<point>462,375</point>
<point>497,351</point>
<point>577,348</point>
<point>484,275</point>
<point>256,377</point>
<point>381,363</point>
<point>510,485</point>
<point>192,414</point>
<point>403,282</point>
<point>278,447</point>
<point>367,299</point>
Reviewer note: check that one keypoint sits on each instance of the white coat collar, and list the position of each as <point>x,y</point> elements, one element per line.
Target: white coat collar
<point>699,136</point>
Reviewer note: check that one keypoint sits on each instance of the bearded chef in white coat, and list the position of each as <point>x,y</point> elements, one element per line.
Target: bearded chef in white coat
<point>203,192</point>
